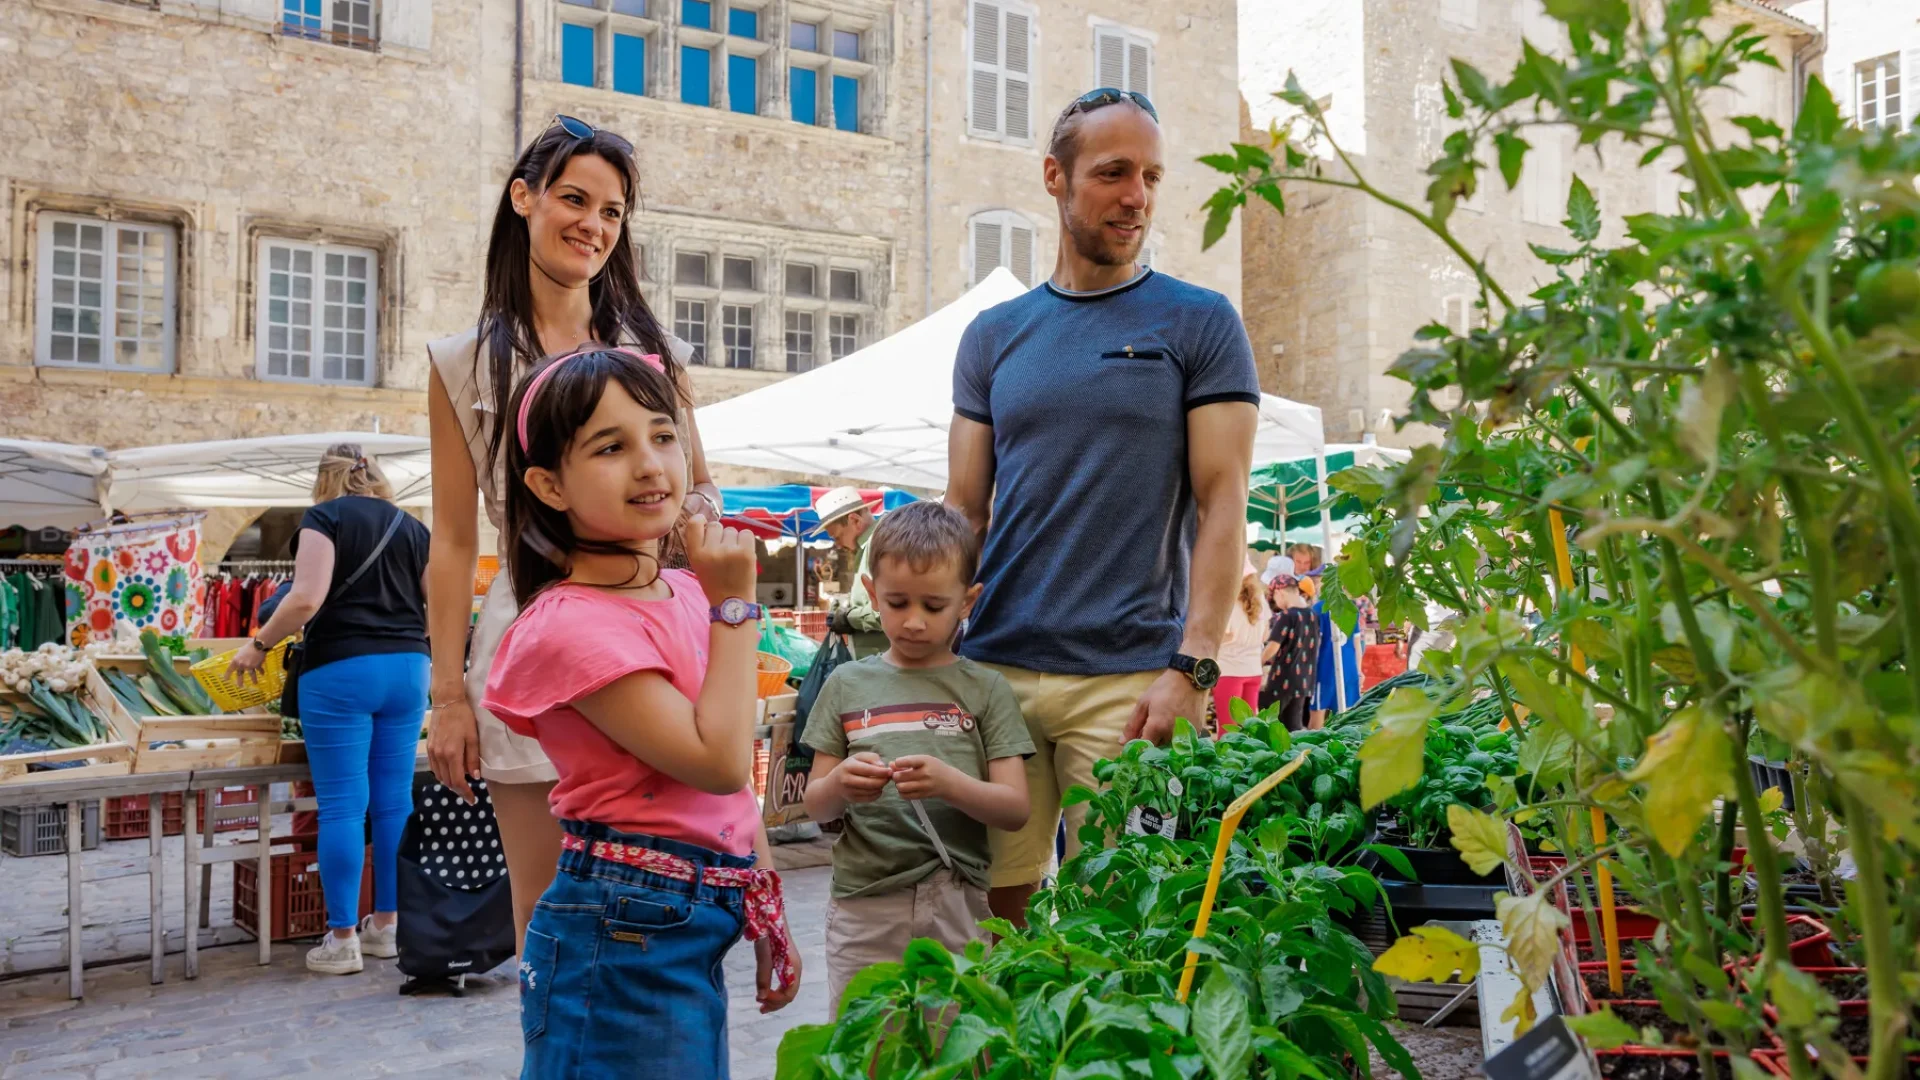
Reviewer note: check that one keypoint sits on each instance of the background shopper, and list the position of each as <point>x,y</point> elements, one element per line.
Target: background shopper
<point>363,689</point>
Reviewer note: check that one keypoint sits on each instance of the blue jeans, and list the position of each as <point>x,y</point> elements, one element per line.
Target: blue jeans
<point>362,720</point>
<point>621,972</point>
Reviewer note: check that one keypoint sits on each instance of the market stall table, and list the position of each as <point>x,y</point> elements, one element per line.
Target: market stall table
<point>199,855</point>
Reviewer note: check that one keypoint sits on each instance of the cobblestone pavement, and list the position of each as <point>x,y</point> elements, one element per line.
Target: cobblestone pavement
<point>246,1021</point>
<point>33,905</point>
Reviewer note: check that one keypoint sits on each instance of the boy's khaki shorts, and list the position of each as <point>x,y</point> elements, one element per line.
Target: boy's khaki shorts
<point>867,930</point>
<point>1075,720</point>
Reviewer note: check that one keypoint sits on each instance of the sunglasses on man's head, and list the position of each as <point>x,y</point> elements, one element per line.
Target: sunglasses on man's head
<point>1107,95</point>
<point>584,131</point>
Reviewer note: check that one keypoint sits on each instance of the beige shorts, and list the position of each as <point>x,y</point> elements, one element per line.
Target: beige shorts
<point>1075,720</point>
<point>505,757</point>
<point>867,930</point>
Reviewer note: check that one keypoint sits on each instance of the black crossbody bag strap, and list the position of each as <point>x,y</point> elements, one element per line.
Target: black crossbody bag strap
<point>373,556</point>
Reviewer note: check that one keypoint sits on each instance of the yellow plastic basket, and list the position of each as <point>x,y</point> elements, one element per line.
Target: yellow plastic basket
<point>233,695</point>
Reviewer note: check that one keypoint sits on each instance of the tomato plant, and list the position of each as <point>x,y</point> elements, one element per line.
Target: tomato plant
<point>1719,411</point>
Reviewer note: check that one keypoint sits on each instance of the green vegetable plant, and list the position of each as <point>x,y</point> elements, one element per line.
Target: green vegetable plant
<point>1088,990</point>
<point>1721,406</point>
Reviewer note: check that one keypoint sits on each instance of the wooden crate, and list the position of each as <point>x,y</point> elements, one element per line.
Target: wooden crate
<point>233,741</point>
<point>111,758</point>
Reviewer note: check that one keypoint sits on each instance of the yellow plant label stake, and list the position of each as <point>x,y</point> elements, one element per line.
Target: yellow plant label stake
<point>1603,877</point>
<point>1229,824</point>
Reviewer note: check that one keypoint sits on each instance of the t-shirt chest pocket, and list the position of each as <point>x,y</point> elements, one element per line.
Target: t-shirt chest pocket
<point>1136,383</point>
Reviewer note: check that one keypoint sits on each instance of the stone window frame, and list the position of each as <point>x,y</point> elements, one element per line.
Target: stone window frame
<point>772,248</point>
<point>42,275</point>
<point>605,19</point>
<point>388,304</point>
<point>1128,38</point>
<point>262,300</point>
<point>665,33</point>
<point>1874,72</point>
<point>1009,219</point>
<point>330,32</point>
<point>30,203</point>
<point>1003,11</point>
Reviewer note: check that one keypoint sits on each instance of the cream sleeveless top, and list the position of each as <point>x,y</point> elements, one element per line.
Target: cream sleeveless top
<point>468,377</point>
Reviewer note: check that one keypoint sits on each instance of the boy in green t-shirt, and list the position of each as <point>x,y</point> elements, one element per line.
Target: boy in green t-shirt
<point>920,749</point>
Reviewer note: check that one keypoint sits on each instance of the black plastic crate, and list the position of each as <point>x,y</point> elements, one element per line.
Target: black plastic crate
<point>42,830</point>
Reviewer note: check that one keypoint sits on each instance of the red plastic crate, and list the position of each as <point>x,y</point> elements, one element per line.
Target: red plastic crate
<point>125,817</point>
<point>236,796</point>
<point>299,902</point>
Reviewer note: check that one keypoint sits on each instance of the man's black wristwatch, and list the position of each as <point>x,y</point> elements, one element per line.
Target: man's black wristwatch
<point>1204,672</point>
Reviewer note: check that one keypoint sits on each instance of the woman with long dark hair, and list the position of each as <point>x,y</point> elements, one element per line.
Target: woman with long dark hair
<point>561,272</point>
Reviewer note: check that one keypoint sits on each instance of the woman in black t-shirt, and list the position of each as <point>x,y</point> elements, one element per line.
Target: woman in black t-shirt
<point>363,688</point>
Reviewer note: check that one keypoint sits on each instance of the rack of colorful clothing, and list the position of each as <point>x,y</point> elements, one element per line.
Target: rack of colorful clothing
<point>33,603</point>
<point>235,592</point>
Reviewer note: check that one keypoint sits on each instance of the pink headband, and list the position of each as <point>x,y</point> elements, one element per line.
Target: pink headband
<point>539,380</point>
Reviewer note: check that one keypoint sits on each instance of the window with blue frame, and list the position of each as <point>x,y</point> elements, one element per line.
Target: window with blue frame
<point>846,103</point>
<point>629,64</point>
<point>301,18</point>
<point>696,74</point>
<point>743,22</point>
<point>743,84</point>
<point>803,89</point>
<point>576,54</point>
<point>697,14</point>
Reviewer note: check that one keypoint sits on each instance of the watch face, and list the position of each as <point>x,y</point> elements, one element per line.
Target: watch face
<point>733,611</point>
<point>1206,674</point>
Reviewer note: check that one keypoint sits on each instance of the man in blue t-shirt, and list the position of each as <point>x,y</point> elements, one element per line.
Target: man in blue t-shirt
<point>1101,442</point>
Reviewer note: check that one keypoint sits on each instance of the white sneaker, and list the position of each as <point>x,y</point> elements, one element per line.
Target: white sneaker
<point>378,943</point>
<point>335,956</point>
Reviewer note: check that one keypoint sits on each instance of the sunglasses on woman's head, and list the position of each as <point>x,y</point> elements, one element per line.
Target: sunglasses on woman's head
<point>1107,95</point>
<point>585,132</point>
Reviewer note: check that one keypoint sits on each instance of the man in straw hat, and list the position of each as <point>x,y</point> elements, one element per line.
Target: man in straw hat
<point>846,517</point>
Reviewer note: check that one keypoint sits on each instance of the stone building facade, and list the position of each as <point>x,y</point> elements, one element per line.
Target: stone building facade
<point>230,218</point>
<point>1872,55</point>
<point>1335,289</point>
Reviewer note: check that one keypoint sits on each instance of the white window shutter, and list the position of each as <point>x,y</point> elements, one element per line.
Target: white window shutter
<point>1020,253</point>
<point>1018,81</point>
<point>407,24</point>
<point>984,69</point>
<point>1139,67</point>
<point>986,248</point>
<point>1110,49</point>
<point>1909,92</point>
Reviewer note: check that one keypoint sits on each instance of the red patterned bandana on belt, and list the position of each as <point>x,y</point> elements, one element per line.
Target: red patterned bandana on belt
<point>766,907</point>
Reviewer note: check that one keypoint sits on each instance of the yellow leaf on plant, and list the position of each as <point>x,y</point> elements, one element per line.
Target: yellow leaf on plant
<point>1687,764</point>
<point>1771,800</point>
<point>1480,838</point>
<point>1521,1012</point>
<point>1678,662</point>
<point>1430,954</point>
<point>1393,757</point>
<point>1532,926</point>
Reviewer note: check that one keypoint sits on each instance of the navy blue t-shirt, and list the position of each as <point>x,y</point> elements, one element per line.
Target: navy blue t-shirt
<point>1085,566</point>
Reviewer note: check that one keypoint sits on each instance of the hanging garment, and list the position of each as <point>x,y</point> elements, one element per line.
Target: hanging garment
<point>9,615</point>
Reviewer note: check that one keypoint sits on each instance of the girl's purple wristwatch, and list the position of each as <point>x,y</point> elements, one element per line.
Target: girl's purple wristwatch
<point>733,611</point>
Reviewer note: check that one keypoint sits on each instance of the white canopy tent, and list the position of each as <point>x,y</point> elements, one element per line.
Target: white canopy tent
<point>274,471</point>
<point>57,484</point>
<point>46,484</point>
<point>880,415</point>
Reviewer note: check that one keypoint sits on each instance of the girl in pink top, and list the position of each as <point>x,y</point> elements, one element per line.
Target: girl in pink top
<point>607,665</point>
